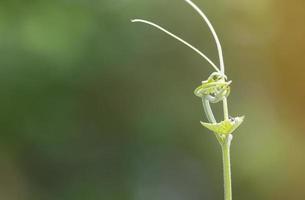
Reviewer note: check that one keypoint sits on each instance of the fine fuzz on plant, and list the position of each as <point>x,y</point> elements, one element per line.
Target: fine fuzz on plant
<point>213,90</point>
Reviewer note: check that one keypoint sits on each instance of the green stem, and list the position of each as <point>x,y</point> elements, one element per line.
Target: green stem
<point>225,108</point>
<point>227,167</point>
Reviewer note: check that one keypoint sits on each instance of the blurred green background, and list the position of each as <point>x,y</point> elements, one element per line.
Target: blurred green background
<point>95,107</point>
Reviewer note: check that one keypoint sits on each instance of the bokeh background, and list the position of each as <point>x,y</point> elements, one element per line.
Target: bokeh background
<point>94,107</point>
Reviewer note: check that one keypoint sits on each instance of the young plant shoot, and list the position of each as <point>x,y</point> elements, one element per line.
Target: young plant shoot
<point>214,90</point>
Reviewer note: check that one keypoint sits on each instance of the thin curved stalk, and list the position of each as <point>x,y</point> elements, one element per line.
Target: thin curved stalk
<point>208,111</point>
<point>209,114</point>
<point>179,39</point>
<point>207,21</point>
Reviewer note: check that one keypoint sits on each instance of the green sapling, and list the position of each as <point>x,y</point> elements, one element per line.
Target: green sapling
<point>213,90</point>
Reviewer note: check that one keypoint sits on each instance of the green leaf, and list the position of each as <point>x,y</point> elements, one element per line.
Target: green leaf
<point>224,127</point>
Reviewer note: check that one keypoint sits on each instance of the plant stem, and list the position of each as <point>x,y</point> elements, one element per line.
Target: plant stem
<point>225,108</point>
<point>227,167</point>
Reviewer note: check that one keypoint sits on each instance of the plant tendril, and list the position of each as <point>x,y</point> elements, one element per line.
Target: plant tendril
<point>179,39</point>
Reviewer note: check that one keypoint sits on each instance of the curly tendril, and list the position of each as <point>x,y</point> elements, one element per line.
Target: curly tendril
<point>214,89</point>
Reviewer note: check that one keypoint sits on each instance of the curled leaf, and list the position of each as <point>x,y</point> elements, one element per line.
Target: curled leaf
<point>224,127</point>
